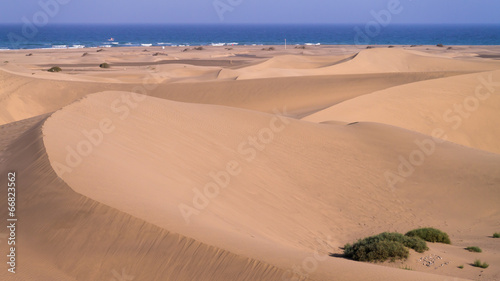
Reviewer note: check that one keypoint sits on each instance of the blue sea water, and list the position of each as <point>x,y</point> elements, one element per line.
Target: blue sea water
<point>75,36</point>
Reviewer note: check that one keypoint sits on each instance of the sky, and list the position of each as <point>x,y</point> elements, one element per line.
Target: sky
<point>249,11</point>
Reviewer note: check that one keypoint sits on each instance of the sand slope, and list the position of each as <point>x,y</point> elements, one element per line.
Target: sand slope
<point>24,97</point>
<point>460,109</point>
<point>333,183</point>
<point>66,236</point>
<point>379,60</point>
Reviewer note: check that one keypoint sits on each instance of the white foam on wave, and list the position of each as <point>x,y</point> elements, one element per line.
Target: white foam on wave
<point>146,45</point>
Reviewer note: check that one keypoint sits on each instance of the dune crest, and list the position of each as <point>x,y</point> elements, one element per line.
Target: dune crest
<point>459,109</point>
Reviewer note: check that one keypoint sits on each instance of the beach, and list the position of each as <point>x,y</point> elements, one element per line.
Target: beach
<point>249,162</point>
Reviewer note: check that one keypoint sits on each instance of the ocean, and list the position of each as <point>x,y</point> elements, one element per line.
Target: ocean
<point>80,36</point>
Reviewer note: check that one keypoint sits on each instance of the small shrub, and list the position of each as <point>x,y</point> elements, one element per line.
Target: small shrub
<point>268,49</point>
<point>449,48</point>
<point>104,65</point>
<point>413,46</point>
<point>370,47</point>
<point>99,50</point>
<point>383,247</point>
<point>390,46</point>
<point>185,50</point>
<point>29,55</point>
<point>84,54</point>
<point>478,263</point>
<point>200,48</point>
<point>406,267</point>
<point>55,69</point>
<point>461,266</point>
<point>6,61</point>
<point>474,249</point>
<point>430,234</point>
<point>300,47</point>
<point>496,235</point>
<point>440,45</point>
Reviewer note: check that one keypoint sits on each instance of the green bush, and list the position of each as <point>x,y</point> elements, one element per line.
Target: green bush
<point>478,263</point>
<point>406,267</point>
<point>104,65</point>
<point>461,266</point>
<point>430,235</point>
<point>55,69</point>
<point>383,247</point>
<point>496,235</point>
<point>474,249</point>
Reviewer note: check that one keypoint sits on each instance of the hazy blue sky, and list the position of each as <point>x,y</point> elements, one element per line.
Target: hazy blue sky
<point>249,11</point>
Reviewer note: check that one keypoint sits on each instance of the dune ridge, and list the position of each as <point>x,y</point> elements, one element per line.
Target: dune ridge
<point>167,142</point>
<point>68,240</point>
<point>458,109</point>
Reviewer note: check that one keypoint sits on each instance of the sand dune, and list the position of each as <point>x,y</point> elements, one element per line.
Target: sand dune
<point>378,60</point>
<point>246,164</point>
<point>24,97</point>
<point>318,187</point>
<point>460,109</point>
<point>66,236</point>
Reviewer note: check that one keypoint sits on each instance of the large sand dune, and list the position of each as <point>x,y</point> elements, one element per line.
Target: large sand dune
<point>463,108</point>
<point>210,178</point>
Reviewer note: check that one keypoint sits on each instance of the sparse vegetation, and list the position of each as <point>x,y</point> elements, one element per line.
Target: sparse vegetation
<point>29,55</point>
<point>449,48</point>
<point>478,263</point>
<point>390,46</point>
<point>440,45</point>
<point>84,54</point>
<point>496,235</point>
<point>185,50</point>
<point>430,234</point>
<point>406,267</point>
<point>104,65</point>
<point>383,247</point>
<point>300,47</point>
<point>55,69</point>
<point>370,47</point>
<point>99,50</point>
<point>268,49</point>
<point>461,266</point>
<point>6,61</point>
<point>474,249</point>
<point>200,48</point>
